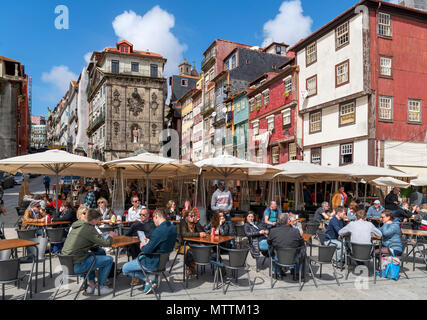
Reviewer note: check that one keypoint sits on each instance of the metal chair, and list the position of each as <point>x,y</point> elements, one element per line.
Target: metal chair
<point>161,269</point>
<point>67,266</point>
<point>201,257</point>
<point>5,255</point>
<point>236,261</point>
<point>421,250</point>
<point>9,273</point>
<point>20,211</point>
<point>2,235</point>
<point>26,234</point>
<point>311,217</point>
<point>285,258</point>
<point>362,253</point>
<point>240,232</point>
<point>325,256</point>
<point>39,254</point>
<point>106,229</point>
<point>312,227</point>
<point>55,237</point>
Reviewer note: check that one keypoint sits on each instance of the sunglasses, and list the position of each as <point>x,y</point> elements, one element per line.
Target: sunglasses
<point>144,214</point>
<point>192,215</point>
<point>136,201</point>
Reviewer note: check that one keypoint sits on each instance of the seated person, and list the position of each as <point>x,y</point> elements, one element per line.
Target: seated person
<point>402,212</point>
<point>80,240</point>
<point>285,236</point>
<point>418,216</point>
<point>332,233</point>
<point>135,210</point>
<point>375,210</point>
<point>256,233</point>
<point>351,212</point>
<point>391,233</point>
<point>361,231</point>
<point>189,207</point>
<point>106,212</point>
<point>34,214</point>
<point>162,241</point>
<point>293,221</point>
<point>424,222</point>
<point>271,214</point>
<point>222,228</point>
<point>146,225</point>
<point>172,211</point>
<point>65,213</point>
<point>2,212</point>
<point>322,213</point>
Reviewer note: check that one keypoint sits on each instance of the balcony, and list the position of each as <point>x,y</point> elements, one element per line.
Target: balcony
<point>219,120</point>
<point>209,58</point>
<point>96,123</point>
<point>207,109</point>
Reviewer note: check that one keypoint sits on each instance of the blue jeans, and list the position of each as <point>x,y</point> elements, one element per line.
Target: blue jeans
<point>131,267</point>
<point>103,263</point>
<point>338,243</point>
<point>230,226</point>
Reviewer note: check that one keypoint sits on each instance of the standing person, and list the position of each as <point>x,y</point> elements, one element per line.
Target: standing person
<point>81,196</point>
<point>46,182</point>
<point>80,240</point>
<point>391,233</point>
<point>392,200</point>
<point>360,230</point>
<point>307,196</point>
<point>90,199</point>
<point>104,192</point>
<point>417,198</point>
<point>135,210</point>
<point>162,241</point>
<point>271,214</point>
<point>222,200</point>
<point>332,233</point>
<point>339,198</point>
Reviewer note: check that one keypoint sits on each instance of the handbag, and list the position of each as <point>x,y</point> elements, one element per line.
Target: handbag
<point>390,267</point>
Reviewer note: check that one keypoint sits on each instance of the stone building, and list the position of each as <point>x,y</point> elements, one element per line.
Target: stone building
<point>14,113</point>
<point>126,95</point>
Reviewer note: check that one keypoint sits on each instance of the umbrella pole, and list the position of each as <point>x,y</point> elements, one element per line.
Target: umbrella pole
<point>147,187</point>
<point>315,193</point>
<point>57,186</point>
<point>366,190</point>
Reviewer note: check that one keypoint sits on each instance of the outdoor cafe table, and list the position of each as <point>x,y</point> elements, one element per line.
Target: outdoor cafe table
<point>44,225</point>
<point>206,240</point>
<point>12,244</point>
<point>417,234</point>
<point>120,242</point>
<point>117,224</point>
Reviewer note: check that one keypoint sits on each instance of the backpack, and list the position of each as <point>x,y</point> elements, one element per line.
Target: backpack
<point>390,267</point>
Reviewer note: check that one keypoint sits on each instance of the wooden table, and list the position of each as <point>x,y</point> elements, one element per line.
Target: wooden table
<point>118,224</point>
<point>237,219</point>
<point>120,242</point>
<point>12,244</point>
<point>206,240</point>
<point>44,225</point>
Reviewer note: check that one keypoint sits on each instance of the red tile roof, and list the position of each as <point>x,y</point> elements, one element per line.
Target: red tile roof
<point>8,59</point>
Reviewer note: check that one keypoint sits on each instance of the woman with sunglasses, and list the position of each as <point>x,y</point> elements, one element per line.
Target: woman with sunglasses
<point>103,209</point>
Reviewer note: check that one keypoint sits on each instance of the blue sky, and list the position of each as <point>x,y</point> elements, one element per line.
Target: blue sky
<point>187,28</point>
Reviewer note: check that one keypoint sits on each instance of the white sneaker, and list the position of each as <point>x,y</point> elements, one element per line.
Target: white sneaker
<point>90,290</point>
<point>106,290</point>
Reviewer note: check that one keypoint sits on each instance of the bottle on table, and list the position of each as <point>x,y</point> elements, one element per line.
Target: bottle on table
<point>213,234</point>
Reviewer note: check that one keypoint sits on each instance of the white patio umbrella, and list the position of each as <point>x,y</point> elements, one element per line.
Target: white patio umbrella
<point>152,166</point>
<point>390,182</point>
<point>420,182</point>
<point>55,162</point>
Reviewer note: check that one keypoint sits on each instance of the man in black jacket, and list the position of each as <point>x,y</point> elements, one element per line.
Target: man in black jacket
<point>392,200</point>
<point>403,213</point>
<point>285,236</point>
<point>146,225</point>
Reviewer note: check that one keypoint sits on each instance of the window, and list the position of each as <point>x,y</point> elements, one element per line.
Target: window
<point>346,156</point>
<point>293,151</point>
<point>115,66</point>
<point>414,110</point>
<point>288,84</point>
<point>286,114</point>
<point>135,67</point>
<point>275,155</point>
<point>154,70</point>
<point>258,101</point>
<point>342,76</point>
<point>278,49</point>
<point>385,110</point>
<point>255,128</point>
<point>385,66</point>
<point>184,82</point>
<point>266,97</point>
<point>342,35</point>
<point>270,124</point>
<point>316,122</point>
<point>124,49</point>
<point>384,25</point>
<point>311,86</point>
<point>259,155</point>
<point>233,61</point>
<point>316,156</point>
<point>311,54</point>
<point>347,114</point>
<point>252,105</point>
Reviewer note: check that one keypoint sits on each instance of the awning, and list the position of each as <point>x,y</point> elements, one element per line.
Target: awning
<point>419,171</point>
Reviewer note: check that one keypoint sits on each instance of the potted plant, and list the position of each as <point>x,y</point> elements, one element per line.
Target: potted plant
<point>257,107</point>
<point>286,94</point>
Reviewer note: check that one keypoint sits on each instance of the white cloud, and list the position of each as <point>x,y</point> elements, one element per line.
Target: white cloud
<point>152,31</point>
<point>59,77</point>
<point>289,25</point>
<point>87,57</point>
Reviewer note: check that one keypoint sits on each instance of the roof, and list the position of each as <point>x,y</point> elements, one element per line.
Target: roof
<point>135,53</point>
<point>187,95</point>
<point>350,11</point>
<point>8,59</point>
<point>234,96</point>
<point>275,43</point>
<point>270,80</point>
<point>228,41</point>
<point>267,75</point>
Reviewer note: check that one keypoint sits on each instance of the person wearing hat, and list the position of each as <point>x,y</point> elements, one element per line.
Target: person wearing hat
<point>34,213</point>
<point>375,210</point>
